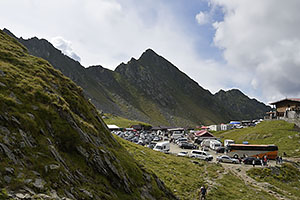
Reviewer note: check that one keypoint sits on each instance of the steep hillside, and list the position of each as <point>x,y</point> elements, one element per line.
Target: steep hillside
<point>53,141</point>
<point>241,106</point>
<point>149,89</point>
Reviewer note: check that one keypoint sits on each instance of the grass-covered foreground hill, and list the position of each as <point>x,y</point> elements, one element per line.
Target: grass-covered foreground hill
<point>184,176</point>
<point>54,144</point>
<point>283,134</point>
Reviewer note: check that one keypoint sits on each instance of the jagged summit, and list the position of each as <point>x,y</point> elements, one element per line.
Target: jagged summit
<point>149,89</point>
<point>149,52</point>
<point>8,32</point>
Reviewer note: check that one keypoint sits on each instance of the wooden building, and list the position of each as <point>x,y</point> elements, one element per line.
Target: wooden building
<point>288,104</point>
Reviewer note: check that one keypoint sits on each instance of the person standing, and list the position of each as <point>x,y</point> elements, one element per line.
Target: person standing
<point>253,162</point>
<point>280,159</point>
<point>266,160</point>
<point>203,192</point>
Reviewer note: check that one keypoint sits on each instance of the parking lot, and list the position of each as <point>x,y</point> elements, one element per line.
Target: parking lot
<point>150,139</point>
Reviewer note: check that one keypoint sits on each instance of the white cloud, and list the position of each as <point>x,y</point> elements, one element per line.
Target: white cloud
<point>65,46</point>
<point>263,38</point>
<point>202,18</point>
<point>108,32</point>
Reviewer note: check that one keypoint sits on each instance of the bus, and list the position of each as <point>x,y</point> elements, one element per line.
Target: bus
<point>252,150</point>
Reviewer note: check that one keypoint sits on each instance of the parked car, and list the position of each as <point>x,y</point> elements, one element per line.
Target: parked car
<point>249,161</point>
<point>183,153</point>
<point>220,150</point>
<point>204,148</point>
<point>186,145</point>
<point>151,145</point>
<point>227,159</point>
<point>176,135</point>
<point>180,140</point>
<point>201,155</point>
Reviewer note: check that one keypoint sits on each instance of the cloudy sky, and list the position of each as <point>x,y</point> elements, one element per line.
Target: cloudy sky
<point>252,45</point>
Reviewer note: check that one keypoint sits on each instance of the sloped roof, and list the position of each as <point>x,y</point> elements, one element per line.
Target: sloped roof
<point>286,99</point>
<point>202,133</point>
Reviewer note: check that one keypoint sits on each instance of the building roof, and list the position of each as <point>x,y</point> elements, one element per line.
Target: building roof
<point>112,126</point>
<point>286,99</point>
<point>204,127</point>
<point>176,129</point>
<point>202,133</point>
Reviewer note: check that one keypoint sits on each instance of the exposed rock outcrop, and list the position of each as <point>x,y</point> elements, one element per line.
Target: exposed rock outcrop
<point>53,142</point>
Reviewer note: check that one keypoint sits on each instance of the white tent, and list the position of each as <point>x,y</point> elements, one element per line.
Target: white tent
<point>113,127</point>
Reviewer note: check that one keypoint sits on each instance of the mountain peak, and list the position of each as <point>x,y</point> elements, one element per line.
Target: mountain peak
<point>149,53</point>
<point>5,30</point>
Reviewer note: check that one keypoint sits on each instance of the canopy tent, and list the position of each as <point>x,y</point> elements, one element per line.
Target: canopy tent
<point>113,127</point>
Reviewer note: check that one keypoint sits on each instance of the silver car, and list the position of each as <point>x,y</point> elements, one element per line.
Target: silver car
<point>183,153</point>
<point>201,155</point>
<point>227,159</point>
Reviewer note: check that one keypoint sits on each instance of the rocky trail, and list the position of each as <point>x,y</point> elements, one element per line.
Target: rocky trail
<point>240,171</point>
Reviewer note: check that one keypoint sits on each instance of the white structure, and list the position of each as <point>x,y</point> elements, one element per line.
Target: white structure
<point>215,127</point>
<point>206,142</point>
<point>162,146</point>
<point>113,127</point>
<point>214,144</point>
<point>225,127</point>
<point>227,142</point>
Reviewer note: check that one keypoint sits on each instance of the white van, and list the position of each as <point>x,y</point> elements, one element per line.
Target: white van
<point>206,143</point>
<point>214,144</point>
<point>162,146</point>
<point>227,142</point>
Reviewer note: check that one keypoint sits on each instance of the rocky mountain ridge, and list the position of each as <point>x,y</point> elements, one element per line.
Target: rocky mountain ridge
<point>241,105</point>
<point>149,89</point>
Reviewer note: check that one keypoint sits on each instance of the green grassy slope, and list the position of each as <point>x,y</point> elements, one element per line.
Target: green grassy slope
<point>52,138</point>
<point>120,121</point>
<point>185,178</point>
<point>280,133</point>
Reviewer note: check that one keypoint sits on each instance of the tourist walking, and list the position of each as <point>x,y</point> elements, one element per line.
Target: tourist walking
<point>203,191</point>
